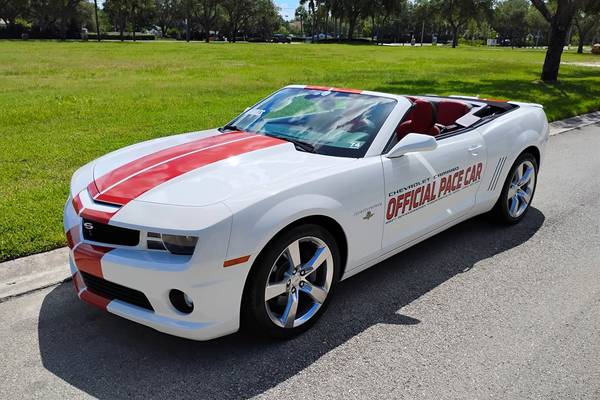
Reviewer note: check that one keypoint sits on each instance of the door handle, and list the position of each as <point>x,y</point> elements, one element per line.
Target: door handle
<point>473,149</point>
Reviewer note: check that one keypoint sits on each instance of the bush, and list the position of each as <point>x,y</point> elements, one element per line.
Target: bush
<point>117,36</point>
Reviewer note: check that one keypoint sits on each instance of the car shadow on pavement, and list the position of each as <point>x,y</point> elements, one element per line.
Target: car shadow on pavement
<point>109,357</point>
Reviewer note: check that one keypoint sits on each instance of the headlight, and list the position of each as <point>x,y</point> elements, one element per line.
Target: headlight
<point>180,244</point>
<point>176,244</point>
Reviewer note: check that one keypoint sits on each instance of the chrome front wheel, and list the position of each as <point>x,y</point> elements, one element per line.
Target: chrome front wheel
<point>299,282</point>
<point>291,282</point>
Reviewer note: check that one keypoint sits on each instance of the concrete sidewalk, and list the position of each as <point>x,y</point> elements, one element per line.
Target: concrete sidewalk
<point>23,275</point>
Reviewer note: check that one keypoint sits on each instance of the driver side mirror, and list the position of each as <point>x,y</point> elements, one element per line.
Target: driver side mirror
<point>411,143</point>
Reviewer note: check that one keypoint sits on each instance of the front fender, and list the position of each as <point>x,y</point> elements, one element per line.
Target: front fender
<point>254,227</point>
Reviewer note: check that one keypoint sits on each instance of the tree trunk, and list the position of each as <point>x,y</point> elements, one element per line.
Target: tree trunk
<point>188,21</point>
<point>454,36</point>
<point>558,36</point>
<point>351,25</point>
<point>580,46</point>
<point>97,23</point>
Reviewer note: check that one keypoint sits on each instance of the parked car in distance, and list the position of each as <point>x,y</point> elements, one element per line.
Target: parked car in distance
<point>281,38</point>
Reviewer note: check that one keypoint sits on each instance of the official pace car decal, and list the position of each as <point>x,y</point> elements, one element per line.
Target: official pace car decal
<point>411,198</point>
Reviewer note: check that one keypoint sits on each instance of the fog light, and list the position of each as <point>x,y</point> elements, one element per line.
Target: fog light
<point>181,301</point>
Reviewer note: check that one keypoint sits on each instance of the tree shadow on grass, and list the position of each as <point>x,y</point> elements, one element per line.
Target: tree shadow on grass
<point>578,90</point>
<point>109,357</point>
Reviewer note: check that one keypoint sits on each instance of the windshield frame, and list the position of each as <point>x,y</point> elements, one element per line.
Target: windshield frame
<point>379,139</point>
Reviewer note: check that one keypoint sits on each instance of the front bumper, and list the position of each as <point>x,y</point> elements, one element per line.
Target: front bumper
<point>215,290</point>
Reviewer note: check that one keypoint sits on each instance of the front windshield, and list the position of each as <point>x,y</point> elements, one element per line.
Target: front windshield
<point>330,122</point>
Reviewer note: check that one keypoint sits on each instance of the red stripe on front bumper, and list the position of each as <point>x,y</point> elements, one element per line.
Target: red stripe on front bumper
<point>94,299</point>
<point>88,258</point>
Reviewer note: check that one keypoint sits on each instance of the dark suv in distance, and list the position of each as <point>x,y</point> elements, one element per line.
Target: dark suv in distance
<point>281,38</point>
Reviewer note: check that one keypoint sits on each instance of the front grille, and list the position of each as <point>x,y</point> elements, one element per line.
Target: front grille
<point>114,291</point>
<point>110,234</point>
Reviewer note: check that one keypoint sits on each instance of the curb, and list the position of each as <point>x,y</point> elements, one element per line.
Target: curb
<point>27,274</point>
<point>580,121</point>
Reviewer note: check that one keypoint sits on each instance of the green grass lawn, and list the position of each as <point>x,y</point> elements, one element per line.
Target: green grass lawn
<point>64,104</point>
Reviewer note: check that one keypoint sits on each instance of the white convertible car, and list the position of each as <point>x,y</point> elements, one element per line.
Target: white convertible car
<point>253,224</point>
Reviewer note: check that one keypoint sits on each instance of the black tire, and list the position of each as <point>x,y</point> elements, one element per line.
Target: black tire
<point>255,318</point>
<point>501,212</point>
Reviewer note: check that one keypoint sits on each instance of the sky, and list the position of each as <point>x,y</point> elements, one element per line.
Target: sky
<point>287,8</point>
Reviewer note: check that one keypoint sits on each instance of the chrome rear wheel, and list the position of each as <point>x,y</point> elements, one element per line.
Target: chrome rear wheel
<point>521,189</point>
<point>518,190</point>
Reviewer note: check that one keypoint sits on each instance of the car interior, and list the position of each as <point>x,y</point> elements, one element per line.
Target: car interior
<point>438,116</point>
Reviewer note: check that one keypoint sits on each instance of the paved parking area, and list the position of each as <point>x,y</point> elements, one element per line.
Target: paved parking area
<point>479,311</point>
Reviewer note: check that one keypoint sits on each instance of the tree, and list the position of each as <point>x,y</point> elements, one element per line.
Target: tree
<point>207,13</point>
<point>301,15</point>
<point>560,21</point>
<point>264,19</point>
<point>118,14</point>
<point>457,13</point>
<point>167,13</point>
<point>586,20</point>
<point>237,12</point>
<point>54,16</point>
<point>142,14</point>
<point>353,10</point>
<point>510,20</point>
<point>10,10</point>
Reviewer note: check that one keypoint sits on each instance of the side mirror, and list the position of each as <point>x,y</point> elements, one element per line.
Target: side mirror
<point>411,143</point>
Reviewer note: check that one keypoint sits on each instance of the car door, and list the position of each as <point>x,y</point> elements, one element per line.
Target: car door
<point>427,190</point>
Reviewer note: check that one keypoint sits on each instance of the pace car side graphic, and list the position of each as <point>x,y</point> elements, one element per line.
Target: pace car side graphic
<point>429,190</point>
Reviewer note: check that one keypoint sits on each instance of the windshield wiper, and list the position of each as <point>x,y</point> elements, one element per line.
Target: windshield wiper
<point>229,127</point>
<point>301,145</point>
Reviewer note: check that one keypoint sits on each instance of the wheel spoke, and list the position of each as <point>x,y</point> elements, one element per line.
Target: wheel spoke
<point>275,289</point>
<point>317,293</point>
<point>525,195</point>
<point>514,206</point>
<point>289,314</point>
<point>526,177</point>
<point>321,254</point>
<point>293,253</point>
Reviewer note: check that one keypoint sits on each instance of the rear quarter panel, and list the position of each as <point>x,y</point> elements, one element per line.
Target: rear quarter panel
<point>506,138</point>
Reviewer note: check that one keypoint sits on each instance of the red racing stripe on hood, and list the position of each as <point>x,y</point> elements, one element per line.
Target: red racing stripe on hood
<point>150,160</point>
<point>135,178</point>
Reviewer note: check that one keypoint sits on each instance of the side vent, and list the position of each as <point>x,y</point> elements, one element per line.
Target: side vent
<point>497,173</point>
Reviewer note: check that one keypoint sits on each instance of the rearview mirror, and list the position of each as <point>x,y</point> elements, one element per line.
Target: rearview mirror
<point>411,143</point>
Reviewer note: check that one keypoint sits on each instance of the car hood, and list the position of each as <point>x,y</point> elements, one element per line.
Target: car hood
<point>203,168</point>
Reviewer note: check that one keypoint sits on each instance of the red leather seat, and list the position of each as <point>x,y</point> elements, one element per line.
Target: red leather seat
<point>421,119</point>
<point>448,111</point>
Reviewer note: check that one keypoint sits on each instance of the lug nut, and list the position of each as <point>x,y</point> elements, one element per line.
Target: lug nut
<point>302,272</point>
<point>293,290</point>
<point>301,284</point>
<point>289,282</point>
<point>295,270</point>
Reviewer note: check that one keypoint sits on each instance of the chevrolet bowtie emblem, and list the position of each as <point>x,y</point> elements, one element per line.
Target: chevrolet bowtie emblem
<point>368,215</point>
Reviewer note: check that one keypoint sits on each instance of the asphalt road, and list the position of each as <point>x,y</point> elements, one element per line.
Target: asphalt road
<point>479,311</point>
